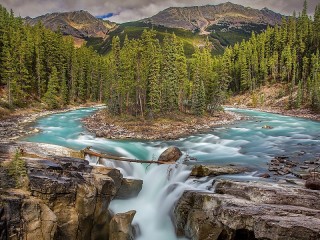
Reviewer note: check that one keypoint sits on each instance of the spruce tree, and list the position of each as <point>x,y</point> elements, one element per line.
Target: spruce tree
<point>154,96</point>
<point>64,89</point>
<point>51,95</point>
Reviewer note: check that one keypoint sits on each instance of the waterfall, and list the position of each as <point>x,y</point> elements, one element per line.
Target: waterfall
<point>163,185</point>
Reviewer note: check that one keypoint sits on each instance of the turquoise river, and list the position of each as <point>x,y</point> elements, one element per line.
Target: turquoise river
<point>243,143</point>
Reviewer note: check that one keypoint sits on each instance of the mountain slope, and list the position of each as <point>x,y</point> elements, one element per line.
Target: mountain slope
<point>227,15</point>
<point>79,24</point>
<point>223,24</point>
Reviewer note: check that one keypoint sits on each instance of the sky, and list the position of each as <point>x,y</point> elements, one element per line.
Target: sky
<point>123,11</point>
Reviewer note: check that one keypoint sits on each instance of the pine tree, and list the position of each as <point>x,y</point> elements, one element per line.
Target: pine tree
<point>198,106</point>
<point>316,28</point>
<point>64,89</point>
<point>198,94</point>
<point>170,90</point>
<point>114,99</point>
<point>8,72</point>
<point>154,97</point>
<point>51,95</point>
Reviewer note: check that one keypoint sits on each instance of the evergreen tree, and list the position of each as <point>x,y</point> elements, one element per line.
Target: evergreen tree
<point>64,89</point>
<point>51,95</point>
<point>154,101</point>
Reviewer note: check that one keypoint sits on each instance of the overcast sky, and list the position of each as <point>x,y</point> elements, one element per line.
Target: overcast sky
<point>131,10</point>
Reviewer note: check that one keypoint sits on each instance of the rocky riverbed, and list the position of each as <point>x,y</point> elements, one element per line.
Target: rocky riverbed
<point>103,125</point>
<point>301,113</point>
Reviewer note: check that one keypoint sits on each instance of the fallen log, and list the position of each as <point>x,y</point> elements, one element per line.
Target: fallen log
<point>110,157</point>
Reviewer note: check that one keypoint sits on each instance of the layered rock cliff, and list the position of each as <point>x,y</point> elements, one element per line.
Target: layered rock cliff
<point>59,198</point>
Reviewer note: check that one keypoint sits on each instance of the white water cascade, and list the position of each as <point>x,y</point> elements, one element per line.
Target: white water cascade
<point>163,185</point>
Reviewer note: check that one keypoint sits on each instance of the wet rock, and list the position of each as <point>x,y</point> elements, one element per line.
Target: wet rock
<point>171,154</point>
<point>301,174</point>
<point>129,188</point>
<point>309,162</point>
<point>304,167</point>
<point>291,181</point>
<point>212,170</point>
<point>267,127</point>
<point>249,210</point>
<point>313,184</point>
<point>273,169</point>
<point>282,173</point>
<point>120,226</point>
<point>264,175</point>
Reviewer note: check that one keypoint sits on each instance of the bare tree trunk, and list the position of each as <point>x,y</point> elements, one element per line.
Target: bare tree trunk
<point>141,105</point>
<point>9,92</point>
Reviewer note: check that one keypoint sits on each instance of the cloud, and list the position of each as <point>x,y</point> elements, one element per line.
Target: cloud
<point>136,9</point>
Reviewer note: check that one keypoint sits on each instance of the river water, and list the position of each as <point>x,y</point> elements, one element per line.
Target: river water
<point>244,143</point>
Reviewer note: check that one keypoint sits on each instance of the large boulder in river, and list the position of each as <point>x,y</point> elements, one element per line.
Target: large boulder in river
<point>249,210</point>
<point>313,183</point>
<point>171,154</point>
<point>215,170</point>
<point>120,226</point>
<point>129,188</point>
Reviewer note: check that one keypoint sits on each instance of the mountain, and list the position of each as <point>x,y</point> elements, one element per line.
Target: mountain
<point>224,24</point>
<point>223,17</point>
<point>79,24</point>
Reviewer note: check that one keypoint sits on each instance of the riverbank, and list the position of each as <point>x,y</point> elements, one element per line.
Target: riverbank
<point>272,98</point>
<point>301,113</point>
<point>169,128</point>
<point>19,123</point>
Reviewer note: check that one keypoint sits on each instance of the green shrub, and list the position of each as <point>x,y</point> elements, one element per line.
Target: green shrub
<point>17,169</point>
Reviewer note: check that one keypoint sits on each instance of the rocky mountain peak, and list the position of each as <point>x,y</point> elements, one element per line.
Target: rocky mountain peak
<point>80,24</point>
<point>202,17</point>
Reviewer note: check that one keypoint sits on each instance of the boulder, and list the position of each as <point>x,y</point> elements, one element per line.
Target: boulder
<point>313,184</point>
<point>120,226</point>
<point>214,170</point>
<point>267,127</point>
<point>264,175</point>
<point>129,188</point>
<point>249,210</point>
<point>171,154</point>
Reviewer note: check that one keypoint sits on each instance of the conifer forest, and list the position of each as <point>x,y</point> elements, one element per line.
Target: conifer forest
<point>147,77</point>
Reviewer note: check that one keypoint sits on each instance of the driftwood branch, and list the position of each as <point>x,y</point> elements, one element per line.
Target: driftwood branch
<point>110,157</point>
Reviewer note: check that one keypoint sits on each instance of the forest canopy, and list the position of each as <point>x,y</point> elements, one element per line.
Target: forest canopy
<point>147,77</point>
